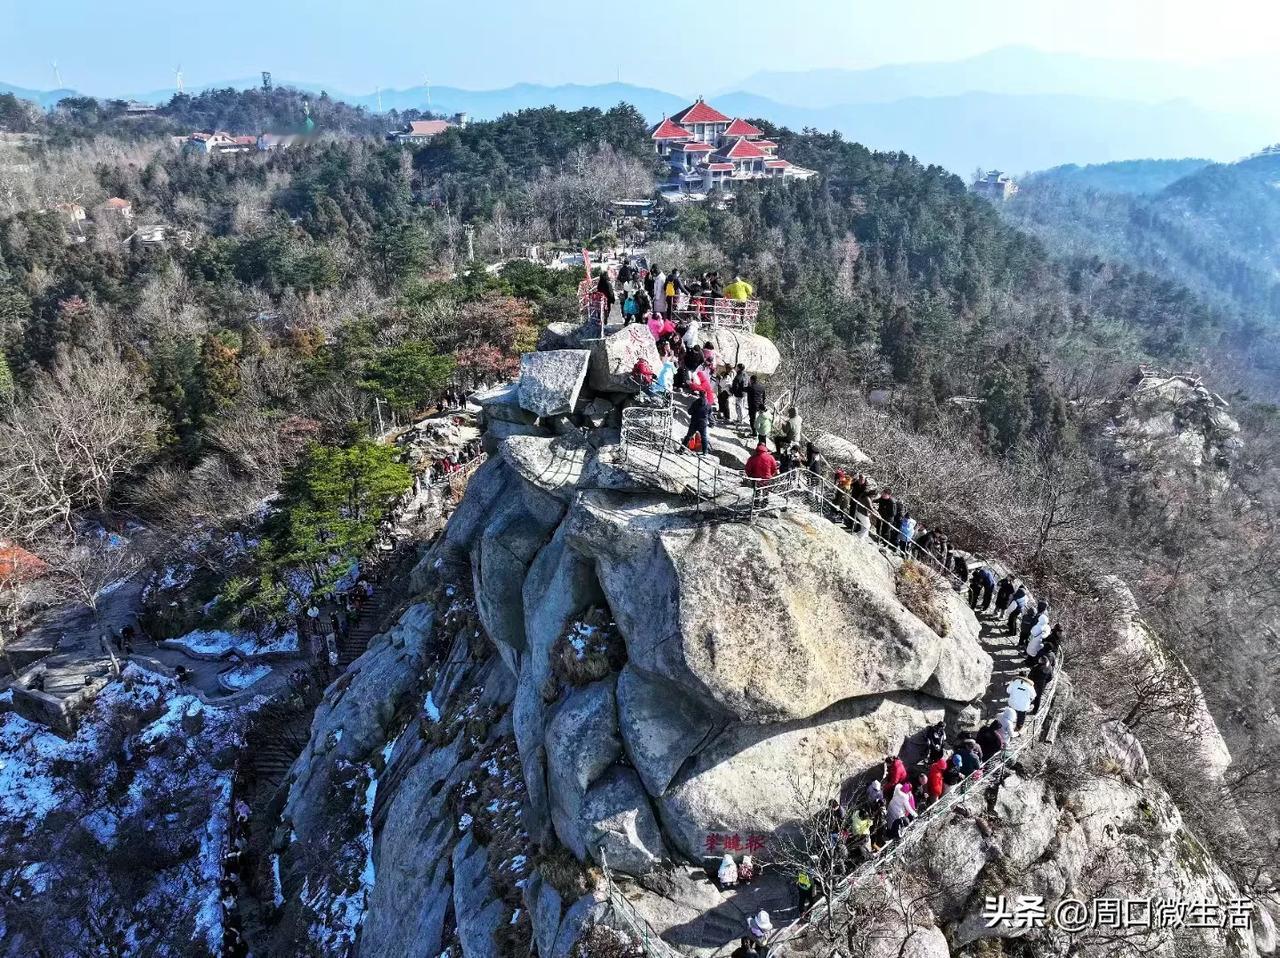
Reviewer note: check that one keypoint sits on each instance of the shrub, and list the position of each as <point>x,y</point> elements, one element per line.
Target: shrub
<point>601,941</point>
<point>564,873</point>
<point>921,591</point>
<point>591,649</point>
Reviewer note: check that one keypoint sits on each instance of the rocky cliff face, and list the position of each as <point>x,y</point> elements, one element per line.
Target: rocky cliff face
<point>587,670</point>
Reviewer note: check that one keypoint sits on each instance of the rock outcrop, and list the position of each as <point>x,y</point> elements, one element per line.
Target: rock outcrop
<point>502,757</point>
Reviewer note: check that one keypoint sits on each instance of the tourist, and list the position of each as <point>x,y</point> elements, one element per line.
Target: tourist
<point>990,739</point>
<point>746,870</point>
<point>895,772</point>
<point>763,424</point>
<point>604,289</point>
<point>875,794</point>
<point>936,784</point>
<point>842,498</point>
<point>1021,694</point>
<point>907,533</point>
<point>1041,615</point>
<point>953,775</point>
<point>739,290</point>
<point>1038,633</point>
<point>673,288</point>
<point>760,468</point>
<point>738,390</point>
<point>1008,719</point>
<point>886,508</point>
<point>727,873</point>
<point>1041,675</point>
<point>722,393</point>
<point>746,949</point>
<point>814,460</point>
<point>755,400</point>
<point>1003,594</point>
<point>699,423</point>
<point>791,427</point>
<point>659,291</point>
<point>1017,602</point>
<point>900,811</point>
<point>655,324</point>
<point>970,758</point>
<point>805,892</point>
<point>666,378</point>
<point>980,589</point>
<point>759,925</point>
<point>709,353</point>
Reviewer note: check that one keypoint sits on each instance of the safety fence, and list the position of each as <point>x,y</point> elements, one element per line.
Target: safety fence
<point>717,313</point>
<point>975,783</point>
<point>630,921</point>
<point>648,445</point>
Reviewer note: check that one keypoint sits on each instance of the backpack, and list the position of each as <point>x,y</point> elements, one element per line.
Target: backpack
<point>670,290</point>
<point>695,442</point>
<point>629,306</point>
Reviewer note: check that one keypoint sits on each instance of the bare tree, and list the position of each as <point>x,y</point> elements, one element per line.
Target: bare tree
<point>65,444</point>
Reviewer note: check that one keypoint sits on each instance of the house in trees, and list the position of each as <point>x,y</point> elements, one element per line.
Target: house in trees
<point>995,185</point>
<point>707,150</point>
<point>421,131</point>
<point>214,142</point>
<point>118,207</point>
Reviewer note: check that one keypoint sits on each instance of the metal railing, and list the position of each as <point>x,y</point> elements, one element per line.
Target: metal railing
<point>975,783</point>
<point>720,313</point>
<point>734,494</point>
<point>632,922</point>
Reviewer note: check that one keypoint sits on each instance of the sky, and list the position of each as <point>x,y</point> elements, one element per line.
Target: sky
<point>118,48</point>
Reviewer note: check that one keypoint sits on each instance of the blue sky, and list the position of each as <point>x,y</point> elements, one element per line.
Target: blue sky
<point>135,45</point>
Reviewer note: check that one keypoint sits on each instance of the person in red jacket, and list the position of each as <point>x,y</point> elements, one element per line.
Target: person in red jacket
<point>936,785</point>
<point>894,772</point>
<point>760,466</point>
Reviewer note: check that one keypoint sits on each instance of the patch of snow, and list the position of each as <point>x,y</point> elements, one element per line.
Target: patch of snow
<point>431,709</point>
<point>464,822</point>
<point>222,643</point>
<point>243,676</point>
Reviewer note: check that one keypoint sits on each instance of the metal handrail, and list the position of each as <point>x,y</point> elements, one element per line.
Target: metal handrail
<point>720,313</point>
<point>624,912</point>
<point>975,783</point>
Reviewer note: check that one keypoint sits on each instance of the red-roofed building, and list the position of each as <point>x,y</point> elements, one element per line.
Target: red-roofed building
<point>707,150</point>
<point>743,128</point>
<point>422,131</point>
<point>19,565</point>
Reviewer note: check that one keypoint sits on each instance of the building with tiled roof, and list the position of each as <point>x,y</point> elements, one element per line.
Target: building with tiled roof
<point>707,150</point>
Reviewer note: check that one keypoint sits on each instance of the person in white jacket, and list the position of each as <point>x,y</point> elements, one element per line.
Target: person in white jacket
<point>1039,631</point>
<point>1021,695</point>
<point>900,811</point>
<point>727,874</point>
<point>660,291</point>
<point>1008,719</point>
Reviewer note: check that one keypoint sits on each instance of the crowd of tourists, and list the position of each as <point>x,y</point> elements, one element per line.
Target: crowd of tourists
<point>639,293</point>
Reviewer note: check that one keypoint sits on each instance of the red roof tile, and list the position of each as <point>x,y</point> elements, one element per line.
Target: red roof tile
<point>427,127</point>
<point>17,564</point>
<point>720,167</point>
<point>670,130</point>
<point>743,128</point>
<point>765,144</point>
<point>696,147</point>
<point>776,164</point>
<point>700,112</point>
<point>744,150</point>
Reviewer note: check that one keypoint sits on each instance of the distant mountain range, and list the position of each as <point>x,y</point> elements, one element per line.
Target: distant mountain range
<point>1014,109</point>
<point>1214,227</point>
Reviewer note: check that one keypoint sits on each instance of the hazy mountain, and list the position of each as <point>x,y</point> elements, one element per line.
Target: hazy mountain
<point>1126,176</point>
<point>959,130</point>
<point>1245,85</point>
<point>1216,229</point>
<point>45,98</point>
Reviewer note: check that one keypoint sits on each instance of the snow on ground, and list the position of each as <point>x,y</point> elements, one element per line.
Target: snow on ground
<point>160,774</point>
<point>221,643</point>
<point>243,676</point>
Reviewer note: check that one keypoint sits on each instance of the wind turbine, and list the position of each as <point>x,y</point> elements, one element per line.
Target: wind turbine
<point>57,76</point>
<point>427,83</point>
<point>177,76</point>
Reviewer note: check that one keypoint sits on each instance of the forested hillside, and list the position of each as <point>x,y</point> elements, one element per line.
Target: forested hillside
<point>1215,229</point>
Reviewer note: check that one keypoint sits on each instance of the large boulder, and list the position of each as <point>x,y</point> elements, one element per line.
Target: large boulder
<point>502,404</point>
<point>766,621</point>
<point>477,911</point>
<point>550,381</point>
<point>561,336</point>
<point>581,743</point>
<point>963,664</point>
<point>754,780</point>
<point>619,824</point>
<point>499,561</point>
<point>735,346</point>
<point>661,726</point>
<point>613,358</point>
<point>553,465</point>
